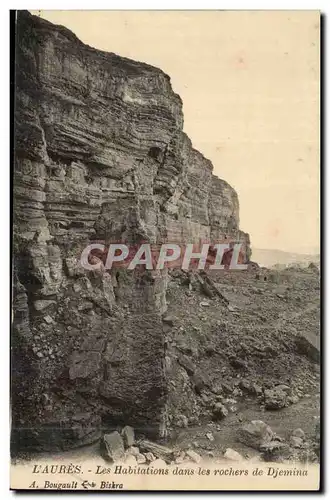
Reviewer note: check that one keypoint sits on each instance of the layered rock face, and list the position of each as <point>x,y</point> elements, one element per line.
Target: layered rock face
<point>100,155</point>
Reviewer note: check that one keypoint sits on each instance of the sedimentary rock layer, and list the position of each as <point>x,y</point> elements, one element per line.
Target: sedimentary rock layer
<point>100,154</point>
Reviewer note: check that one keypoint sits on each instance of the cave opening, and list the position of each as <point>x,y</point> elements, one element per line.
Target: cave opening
<point>155,152</point>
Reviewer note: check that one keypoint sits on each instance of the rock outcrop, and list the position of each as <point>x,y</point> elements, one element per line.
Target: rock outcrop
<point>100,155</point>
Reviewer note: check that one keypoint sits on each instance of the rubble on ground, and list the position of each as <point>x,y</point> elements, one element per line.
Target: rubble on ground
<point>254,435</point>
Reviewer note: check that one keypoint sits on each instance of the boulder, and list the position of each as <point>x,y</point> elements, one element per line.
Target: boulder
<point>293,400</point>
<point>257,389</point>
<point>245,386</point>
<point>128,436</point>
<point>49,320</point>
<point>141,458</point>
<point>158,450</point>
<point>296,442</point>
<point>227,387</point>
<point>255,434</point>
<point>199,382</point>
<point>233,455</point>
<point>275,451</point>
<point>284,388</point>
<point>150,456</point>
<point>112,447</point>
<point>275,399</point>
<point>193,456</point>
<point>210,436</point>
<point>298,433</point>
<point>133,450</point>
<point>180,458</point>
<point>219,411</point>
<point>313,267</point>
<point>40,305</point>
<point>168,320</point>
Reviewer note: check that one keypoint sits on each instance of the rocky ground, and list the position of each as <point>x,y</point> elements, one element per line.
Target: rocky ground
<point>253,353</point>
<point>243,371</point>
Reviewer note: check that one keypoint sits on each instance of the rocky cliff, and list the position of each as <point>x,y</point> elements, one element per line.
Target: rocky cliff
<point>100,154</point>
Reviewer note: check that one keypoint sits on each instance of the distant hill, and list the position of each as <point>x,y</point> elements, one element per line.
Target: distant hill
<point>269,258</point>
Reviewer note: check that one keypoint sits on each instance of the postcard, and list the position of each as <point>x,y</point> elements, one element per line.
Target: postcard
<point>166,251</point>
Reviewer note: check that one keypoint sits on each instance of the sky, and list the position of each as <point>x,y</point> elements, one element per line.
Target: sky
<point>249,81</point>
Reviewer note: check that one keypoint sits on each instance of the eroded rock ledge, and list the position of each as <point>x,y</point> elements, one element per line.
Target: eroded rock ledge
<point>100,155</point>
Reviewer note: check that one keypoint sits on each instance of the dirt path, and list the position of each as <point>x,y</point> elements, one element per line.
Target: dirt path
<point>282,422</point>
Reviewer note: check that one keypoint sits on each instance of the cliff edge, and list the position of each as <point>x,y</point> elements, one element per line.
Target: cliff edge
<point>100,154</point>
